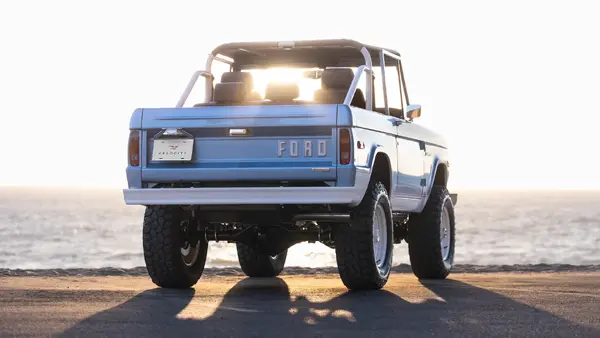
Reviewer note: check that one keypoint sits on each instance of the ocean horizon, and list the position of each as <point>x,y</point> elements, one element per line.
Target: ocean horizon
<point>73,227</point>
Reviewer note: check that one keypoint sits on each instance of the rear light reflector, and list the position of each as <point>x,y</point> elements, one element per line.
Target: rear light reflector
<point>134,148</point>
<point>344,146</point>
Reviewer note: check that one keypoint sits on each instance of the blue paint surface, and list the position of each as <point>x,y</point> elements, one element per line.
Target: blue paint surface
<point>286,149</point>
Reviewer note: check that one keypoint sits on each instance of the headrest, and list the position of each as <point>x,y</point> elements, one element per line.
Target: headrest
<point>230,92</point>
<point>244,77</point>
<point>337,78</point>
<point>282,91</point>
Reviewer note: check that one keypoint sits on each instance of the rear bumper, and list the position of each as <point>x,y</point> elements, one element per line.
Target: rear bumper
<point>260,195</point>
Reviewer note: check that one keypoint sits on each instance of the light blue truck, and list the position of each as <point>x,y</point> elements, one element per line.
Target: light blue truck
<point>286,142</point>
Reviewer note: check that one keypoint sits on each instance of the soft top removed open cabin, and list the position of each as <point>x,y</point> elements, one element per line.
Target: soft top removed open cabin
<point>276,143</point>
<point>339,63</point>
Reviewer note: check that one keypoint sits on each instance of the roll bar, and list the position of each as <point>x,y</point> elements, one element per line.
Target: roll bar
<point>366,68</point>
<point>186,93</point>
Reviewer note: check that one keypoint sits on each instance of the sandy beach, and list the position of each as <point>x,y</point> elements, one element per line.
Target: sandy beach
<point>480,303</point>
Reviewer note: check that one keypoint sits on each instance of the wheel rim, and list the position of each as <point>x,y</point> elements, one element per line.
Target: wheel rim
<point>380,245</point>
<point>445,234</point>
<point>189,252</point>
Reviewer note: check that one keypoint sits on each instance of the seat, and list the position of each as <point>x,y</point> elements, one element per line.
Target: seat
<point>335,83</point>
<point>282,92</point>
<point>229,93</point>
<point>245,78</point>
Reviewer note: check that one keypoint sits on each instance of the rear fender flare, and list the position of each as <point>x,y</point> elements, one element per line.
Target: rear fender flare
<point>436,165</point>
<point>376,149</point>
<point>364,173</point>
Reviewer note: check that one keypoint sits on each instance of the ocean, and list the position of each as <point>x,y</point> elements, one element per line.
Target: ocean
<point>51,228</point>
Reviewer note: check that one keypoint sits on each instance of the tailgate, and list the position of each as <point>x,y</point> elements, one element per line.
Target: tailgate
<point>244,143</point>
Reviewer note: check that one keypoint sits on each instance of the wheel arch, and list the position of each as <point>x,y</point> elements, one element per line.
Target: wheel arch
<point>381,168</point>
<point>440,175</point>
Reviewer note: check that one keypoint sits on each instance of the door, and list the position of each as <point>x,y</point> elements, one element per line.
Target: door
<point>410,151</point>
<point>411,157</point>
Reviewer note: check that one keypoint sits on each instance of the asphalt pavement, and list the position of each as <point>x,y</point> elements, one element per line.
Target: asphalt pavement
<point>465,305</point>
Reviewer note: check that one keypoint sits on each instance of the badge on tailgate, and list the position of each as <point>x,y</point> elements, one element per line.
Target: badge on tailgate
<point>173,145</point>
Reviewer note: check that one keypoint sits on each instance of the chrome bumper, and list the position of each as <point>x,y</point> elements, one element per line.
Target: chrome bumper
<point>256,195</point>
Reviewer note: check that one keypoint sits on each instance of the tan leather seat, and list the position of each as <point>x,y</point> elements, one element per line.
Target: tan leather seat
<point>229,93</point>
<point>246,79</point>
<point>282,92</point>
<point>335,83</point>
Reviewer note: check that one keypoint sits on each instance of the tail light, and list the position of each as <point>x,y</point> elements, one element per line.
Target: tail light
<point>344,146</point>
<point>134,148</point>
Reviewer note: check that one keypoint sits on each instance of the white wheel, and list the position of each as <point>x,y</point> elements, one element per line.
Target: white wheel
<point>364,248</point>
<point>380,232</point>
<point>445,234</point>
<point>431,237</point>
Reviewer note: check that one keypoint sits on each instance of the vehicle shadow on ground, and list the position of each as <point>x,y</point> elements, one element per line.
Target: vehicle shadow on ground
<point>265,308</point>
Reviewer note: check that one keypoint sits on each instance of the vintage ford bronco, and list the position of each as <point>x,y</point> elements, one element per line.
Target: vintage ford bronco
<point>293,141</point>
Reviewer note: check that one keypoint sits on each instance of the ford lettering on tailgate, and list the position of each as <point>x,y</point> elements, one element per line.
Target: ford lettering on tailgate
<point>304,148</point>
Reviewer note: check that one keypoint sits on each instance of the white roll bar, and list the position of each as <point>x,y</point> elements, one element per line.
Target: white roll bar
<point>385,97</point>
<point>367,67</point>
<point>392,55</point>
<point>352,90</point>
<point>186,93</point>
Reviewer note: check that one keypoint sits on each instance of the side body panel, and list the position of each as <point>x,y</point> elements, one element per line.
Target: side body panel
<point>433,152</point>
<point>376,133</point>
<point>379,134</point>
<point>410,162</point>
<point>413,152</point>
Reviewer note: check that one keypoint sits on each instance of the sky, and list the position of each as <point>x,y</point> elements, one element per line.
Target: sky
<point>512,85</point>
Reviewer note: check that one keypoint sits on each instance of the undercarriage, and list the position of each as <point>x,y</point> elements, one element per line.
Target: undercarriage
<point>273,229</point>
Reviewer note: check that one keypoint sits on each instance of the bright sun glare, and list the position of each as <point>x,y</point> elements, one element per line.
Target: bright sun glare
<point>262,77</point>
<point>517,103</point>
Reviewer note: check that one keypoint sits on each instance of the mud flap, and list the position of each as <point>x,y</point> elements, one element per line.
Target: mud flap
<point>454,198</point>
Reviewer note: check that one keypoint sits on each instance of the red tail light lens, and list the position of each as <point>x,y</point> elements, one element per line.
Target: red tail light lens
<point>134,148</point>
<point>344,146</point>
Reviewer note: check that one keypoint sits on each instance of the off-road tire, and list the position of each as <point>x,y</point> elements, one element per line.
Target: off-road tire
<point>424,238</point>
<point>256,264</point>
<point>162,240</point>
<point>354,243</point>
